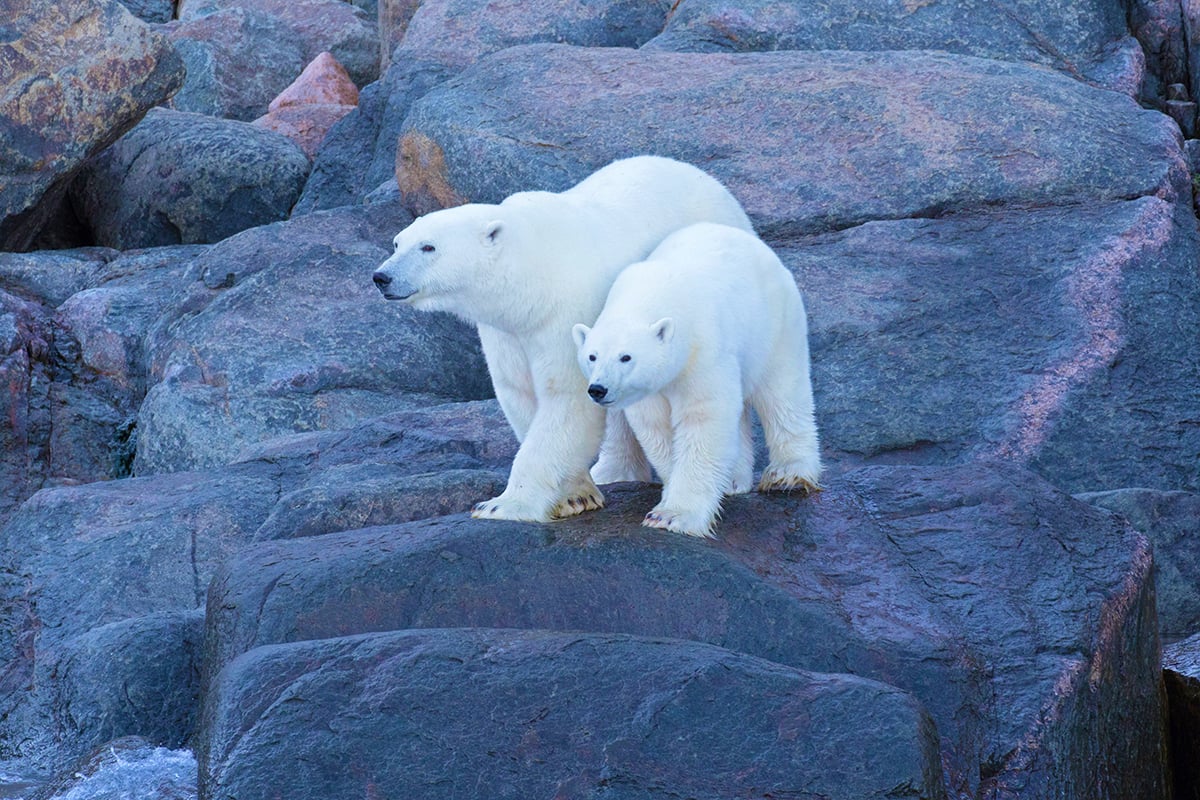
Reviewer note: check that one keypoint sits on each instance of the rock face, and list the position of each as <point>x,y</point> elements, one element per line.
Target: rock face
<point>283,333</point>
<point>921,578</point>
<point>181,178</point>
<point>25,336</point>
<point>78,75</point>
<point>570,715</point>
<point>1088,40</point>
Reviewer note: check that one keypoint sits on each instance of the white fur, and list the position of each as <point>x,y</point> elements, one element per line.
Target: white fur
<point>523,271</point>
<point>709,326</point>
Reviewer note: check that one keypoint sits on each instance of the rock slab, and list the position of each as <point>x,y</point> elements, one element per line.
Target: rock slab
<point>563,715</point>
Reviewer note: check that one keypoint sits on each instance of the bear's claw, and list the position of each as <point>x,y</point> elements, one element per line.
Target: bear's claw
<point>778,481</point>
<point>672,521</point>
<point>577,505</point>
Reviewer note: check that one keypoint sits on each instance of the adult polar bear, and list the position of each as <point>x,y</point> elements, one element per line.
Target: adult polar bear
<point>524,272</point>
<point>710,324</point>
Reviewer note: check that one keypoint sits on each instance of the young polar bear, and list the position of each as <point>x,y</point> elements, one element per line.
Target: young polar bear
<point>523,271</point>
<point>710,325</point>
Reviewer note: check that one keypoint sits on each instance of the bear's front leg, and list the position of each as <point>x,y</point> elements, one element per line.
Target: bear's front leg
<point>704,452</point>
<point>549,477</point>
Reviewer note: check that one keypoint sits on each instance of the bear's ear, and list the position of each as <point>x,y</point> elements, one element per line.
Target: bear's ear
<point>579,333</point>
<point>492,231</point>
<point>664,329</point>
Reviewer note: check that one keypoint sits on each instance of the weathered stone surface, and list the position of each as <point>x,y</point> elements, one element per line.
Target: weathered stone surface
<point>50,277</point>
<point>135,677</point>
<point>77,558</point>
<point>393,17</point>
<point>1060,338</point>
<point>539,714</point>
<point>283,333</point>
<point>1171,521</point>
<point>25,341</point>
<point>1087,40</point>
<point>442,38</point>
<point>180,178</point>
<point>77,76</point>
<point>1021,618</point>
<point>314,25</point>
<point>100,361</point>
<point>237,60</point>
<point>808,142</point>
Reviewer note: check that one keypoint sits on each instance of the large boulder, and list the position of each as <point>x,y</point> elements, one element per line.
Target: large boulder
<point>312,104</point>
<point>1087,40</point>
<point>440,39</point>
<point>1059,338</point>
<point>1021,618</point>
<point>809,142</point>
<point>49,277</point>
<point>78,558</point>
<point>180,178</point>
<point>316,26</point>
<point>237,61</point>
<point>444,713</point>
<point>77,76</point>
<point>283,332</point>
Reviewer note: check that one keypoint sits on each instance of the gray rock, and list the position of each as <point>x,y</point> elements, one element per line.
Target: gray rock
<point>25,345</point>
<point>440,39</point>
<point>315,26</point>
<point>1059,338</point>
<point>517,714</point>
<point>980,589</point>
<point>238,61</point>
<point>77,558</point>
<point>1087,40</point>
<point>150,10</point>
<point>136,677</point>
<point>285,333</point>
<point>100,361</point>
<point>1171,521</point>
<point>809,142</point>
<point>180,178</point>
<point>48,126</point>
<point>50,277</point>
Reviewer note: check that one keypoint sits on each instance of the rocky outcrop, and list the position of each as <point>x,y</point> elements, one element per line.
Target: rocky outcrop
<point>77,76</point>
<point>180,178</point>
<point>568,715</point>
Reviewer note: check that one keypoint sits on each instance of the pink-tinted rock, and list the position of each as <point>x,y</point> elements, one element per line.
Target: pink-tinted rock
<point>26,339</point>
<point>323,82</point>
<point>76,76</point>
<point>312,104</point>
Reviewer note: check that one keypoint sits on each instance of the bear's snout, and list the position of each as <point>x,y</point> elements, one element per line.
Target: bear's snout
<point>597,392</point>
<point>382,279</point>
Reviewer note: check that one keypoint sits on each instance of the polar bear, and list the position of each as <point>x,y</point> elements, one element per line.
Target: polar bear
<point>523,272</point>
<point>709,326</point>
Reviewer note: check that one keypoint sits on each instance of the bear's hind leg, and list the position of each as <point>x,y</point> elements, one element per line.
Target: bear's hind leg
<point>785,407</point>
<point>742,479</point>
<point>621,455</point>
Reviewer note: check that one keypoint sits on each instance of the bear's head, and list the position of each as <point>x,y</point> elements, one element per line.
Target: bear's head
<point>627,363</point>
<point>443,260</point>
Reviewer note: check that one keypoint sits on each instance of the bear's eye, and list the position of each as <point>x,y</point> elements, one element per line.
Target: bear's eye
<point>427,248</point>
<point>592,357</point>
<point>625,359</point>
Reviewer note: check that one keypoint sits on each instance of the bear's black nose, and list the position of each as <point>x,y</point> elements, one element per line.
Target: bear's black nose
<point>381,279</point>
<point>597,392</point>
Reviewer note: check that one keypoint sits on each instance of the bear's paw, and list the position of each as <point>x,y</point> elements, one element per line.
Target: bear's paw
<point>691,523</point>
